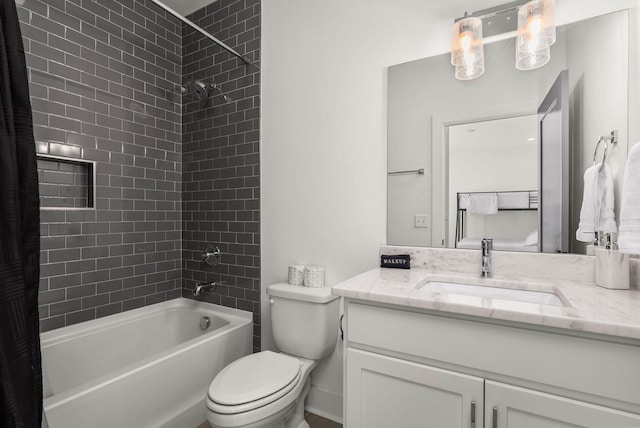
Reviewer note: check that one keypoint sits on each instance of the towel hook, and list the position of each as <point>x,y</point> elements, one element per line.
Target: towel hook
<point>612,138</point>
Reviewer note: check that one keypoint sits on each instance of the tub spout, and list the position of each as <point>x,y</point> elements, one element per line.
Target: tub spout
<point>203,286</point>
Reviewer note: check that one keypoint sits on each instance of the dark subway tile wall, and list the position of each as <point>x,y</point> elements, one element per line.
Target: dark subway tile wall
<point>105,79</point>
<point>221,161</point>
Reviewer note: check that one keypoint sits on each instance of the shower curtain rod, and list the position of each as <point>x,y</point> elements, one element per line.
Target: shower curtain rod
<point>195,27</point>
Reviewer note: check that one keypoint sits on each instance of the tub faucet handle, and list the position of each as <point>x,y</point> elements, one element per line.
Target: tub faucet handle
<point>212,255</point>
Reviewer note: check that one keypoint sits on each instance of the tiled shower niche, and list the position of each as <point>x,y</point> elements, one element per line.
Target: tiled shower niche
<point>65,183</point>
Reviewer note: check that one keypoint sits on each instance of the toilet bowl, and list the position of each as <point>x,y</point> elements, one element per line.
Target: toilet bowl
<point>260,390</point>
<point>268,389</point>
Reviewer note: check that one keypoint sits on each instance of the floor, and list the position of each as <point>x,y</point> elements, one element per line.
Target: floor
<point>314,421</point>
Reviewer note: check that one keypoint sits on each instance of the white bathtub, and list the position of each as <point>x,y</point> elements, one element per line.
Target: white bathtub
<point>148,367</point>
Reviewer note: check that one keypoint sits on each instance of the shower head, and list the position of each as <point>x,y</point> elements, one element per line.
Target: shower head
<point>204,91</point>
<point>201,89</point>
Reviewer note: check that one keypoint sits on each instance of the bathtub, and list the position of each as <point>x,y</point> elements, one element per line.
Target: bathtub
<point>148,367</point>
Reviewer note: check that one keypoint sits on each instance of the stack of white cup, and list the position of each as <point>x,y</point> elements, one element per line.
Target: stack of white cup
<point>296,274</point>
<point>309,276</point>
<point>314,276</point>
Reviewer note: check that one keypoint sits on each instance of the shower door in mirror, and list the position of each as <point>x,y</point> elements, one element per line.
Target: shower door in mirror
<point>554,168</point>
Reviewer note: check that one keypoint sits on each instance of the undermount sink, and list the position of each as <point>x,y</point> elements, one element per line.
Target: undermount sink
<point>500,293</point>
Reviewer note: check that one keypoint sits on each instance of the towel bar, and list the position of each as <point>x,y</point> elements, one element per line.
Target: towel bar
<point>411,171</point>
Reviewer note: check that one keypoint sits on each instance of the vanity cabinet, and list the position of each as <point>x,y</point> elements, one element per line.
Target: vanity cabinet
<point>411,368</point>
<point>388,392</point>
<point>508,406</point>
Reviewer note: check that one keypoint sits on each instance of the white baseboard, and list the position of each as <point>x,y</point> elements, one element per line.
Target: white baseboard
<point>324,403</point>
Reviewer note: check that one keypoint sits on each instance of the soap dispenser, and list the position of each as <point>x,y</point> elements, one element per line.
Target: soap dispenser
<point>596,244</point>
<point>612,266</point>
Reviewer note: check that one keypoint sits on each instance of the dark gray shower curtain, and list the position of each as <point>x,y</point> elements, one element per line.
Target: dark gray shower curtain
<point>20,368</point>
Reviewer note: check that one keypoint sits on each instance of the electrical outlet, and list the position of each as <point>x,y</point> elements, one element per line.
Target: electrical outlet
<point>421,220</point>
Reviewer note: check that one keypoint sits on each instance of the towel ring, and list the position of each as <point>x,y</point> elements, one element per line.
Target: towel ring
<point>595,151</point>
<point>611,139</point>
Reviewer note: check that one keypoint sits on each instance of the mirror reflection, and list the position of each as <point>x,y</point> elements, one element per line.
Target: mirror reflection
<point>503,155</point>
<point>507,149</point>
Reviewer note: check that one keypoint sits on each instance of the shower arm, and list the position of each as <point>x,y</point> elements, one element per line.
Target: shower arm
<point>197,28</point>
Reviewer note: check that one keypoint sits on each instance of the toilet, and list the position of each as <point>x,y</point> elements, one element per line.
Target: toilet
<point>268,389</point>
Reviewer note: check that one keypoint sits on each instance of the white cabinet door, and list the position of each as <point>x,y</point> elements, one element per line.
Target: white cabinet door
<point>385,392</point>
<point>508,406</point>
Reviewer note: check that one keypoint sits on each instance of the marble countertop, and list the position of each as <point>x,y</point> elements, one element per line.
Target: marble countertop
<point>587,307</point>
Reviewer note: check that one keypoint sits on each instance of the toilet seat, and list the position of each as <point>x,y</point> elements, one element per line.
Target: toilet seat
<point>253,381</point>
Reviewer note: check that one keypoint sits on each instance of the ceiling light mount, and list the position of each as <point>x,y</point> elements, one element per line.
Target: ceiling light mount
<point>498,20</point>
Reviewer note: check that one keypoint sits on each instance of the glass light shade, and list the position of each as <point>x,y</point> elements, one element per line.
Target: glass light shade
<point>531,61</point>
<point>470,71</point>
<point>467,49</point>
<point>536,26</point>
<point>466,42</point>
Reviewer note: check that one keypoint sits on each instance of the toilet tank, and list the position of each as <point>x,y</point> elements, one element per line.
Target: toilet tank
<point>304,320</point>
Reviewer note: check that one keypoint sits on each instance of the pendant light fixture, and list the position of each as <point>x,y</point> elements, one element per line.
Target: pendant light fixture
<point>532,60</point>
<point>536,33</point>
<point>467,49</point>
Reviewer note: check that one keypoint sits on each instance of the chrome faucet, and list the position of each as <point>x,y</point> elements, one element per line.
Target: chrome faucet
<point>203,286</point>
<point>487,246</point>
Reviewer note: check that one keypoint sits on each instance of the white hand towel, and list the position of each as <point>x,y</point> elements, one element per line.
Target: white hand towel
<point>629,239</point>
<point>607,218</point>
<point>532,238</point>
<point>483,203</point>
<point>597,212</point>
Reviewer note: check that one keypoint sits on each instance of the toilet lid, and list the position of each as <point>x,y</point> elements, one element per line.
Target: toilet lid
<point>253,377</point>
